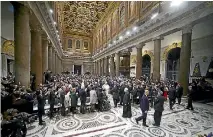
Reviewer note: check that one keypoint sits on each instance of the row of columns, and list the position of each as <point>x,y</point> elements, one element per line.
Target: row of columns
<point>32,54</point>
<point>184,60</point>
<point>103,66</point>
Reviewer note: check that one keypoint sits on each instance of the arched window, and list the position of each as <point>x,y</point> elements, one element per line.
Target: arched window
<point>78,44</point>
<point>86,46</point>
<point>70,43</point>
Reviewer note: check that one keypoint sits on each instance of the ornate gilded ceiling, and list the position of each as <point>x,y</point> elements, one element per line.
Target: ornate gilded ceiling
<point>80,17</point>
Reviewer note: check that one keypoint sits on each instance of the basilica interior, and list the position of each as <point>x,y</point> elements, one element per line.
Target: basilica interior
<point>160,39</point>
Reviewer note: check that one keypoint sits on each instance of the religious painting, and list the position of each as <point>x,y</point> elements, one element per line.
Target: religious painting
<point>132,60</point>
<point>100,37</point>
<point>104,33</point>
<point>114,22</point>
<point>70,43</point>
<point>131,9</point>
<point>122,16</point>
<point>86,46</point>
<point>196,72</point>
<point>109,29</point>
<point>78,44</point>
<point>97,41</point>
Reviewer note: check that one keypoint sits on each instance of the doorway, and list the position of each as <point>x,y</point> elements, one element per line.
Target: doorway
<point>146,65</point>
<point>77,69</point>
<point>173,63</point>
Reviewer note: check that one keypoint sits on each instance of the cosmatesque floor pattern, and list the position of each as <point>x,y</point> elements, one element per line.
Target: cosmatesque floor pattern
<point>177,123</point>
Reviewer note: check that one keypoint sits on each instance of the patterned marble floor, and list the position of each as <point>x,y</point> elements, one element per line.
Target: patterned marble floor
<point>177,123</point>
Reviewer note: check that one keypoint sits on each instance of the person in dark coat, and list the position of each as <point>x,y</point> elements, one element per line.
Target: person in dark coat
<point>179,93</point>
<point>172,96</point>
<point>74,100</point>
<point>40,106</point>
<point>51,102</point>
<point>100,96</point>
<point>62,94</point>
<point>127,112</point>
<point>121,94</point>
<point>83,97</point>
<point>115,95</point>
<point>144,105</point>
<point>159,107</point>
<point>190,94</point>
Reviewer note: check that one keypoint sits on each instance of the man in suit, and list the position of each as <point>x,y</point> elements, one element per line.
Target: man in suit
<point>172,96</point>
<point>115,95</point>
<point>179,93</point>
<point>158,106</point>
<point>144,105</point>
<point>83,98</point>
<point>190,94</point>
<point>40,106</point>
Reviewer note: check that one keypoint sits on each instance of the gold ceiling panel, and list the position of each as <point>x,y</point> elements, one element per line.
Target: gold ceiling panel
<point>81,17</point>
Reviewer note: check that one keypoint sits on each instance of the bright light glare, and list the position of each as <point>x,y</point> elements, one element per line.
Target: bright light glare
<point>127,33</point>
<point>51,11</point>
<point>57,31</point>
<point>114,42</point>
<point>135,28</point>
<point>176,3</point>
<point>54,22</point>
<point>109,45</point>
<point>154,15</point>
<point>120,37</point>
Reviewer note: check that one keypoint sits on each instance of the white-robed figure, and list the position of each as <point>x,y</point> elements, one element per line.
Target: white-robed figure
<point>67,101</point>
<point>82,85</point>
<point>106,88</point>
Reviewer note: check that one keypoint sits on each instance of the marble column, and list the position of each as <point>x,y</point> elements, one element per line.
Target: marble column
<point>53,61</point>
<point>185,55</point>
<point>139,60</point>
<point>36,54</point>
<point>112,66</point>
<point>56,63</point>
<point>22,42</point>
<point>103,66</point>
<point>99,67</point>
<point>117,64</point>
<point>156,66</point>
<point>106,66</point>
<point>44,54</point>
<point>50,54</point>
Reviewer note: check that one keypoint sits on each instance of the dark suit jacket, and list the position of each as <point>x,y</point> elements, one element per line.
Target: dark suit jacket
<point>144,103</point>
<point>172,93</point>
<point>158,104</point>
<point>179,92</point>
<point>83,96</point>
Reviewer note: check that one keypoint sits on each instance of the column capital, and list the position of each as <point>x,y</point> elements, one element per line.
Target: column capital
<point>140,45</point>
<point>187,29</point>
<point>158,38</point>
<point>113,55</point>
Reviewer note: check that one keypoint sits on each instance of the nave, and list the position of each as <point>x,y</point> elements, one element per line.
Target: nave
<point>177,123</point>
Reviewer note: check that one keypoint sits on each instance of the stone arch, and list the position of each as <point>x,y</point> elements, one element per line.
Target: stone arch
<point>152,59</point>
<point>8,47</point>
<point>148,53</point>
<point>168,48</point>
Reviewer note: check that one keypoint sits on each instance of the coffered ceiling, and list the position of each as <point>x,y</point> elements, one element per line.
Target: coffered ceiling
<point>80,17</point>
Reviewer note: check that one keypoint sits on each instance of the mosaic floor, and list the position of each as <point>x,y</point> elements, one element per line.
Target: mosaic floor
<point>177,123</point>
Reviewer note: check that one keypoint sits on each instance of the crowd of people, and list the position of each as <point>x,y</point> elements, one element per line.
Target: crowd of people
<point>67,92</point>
